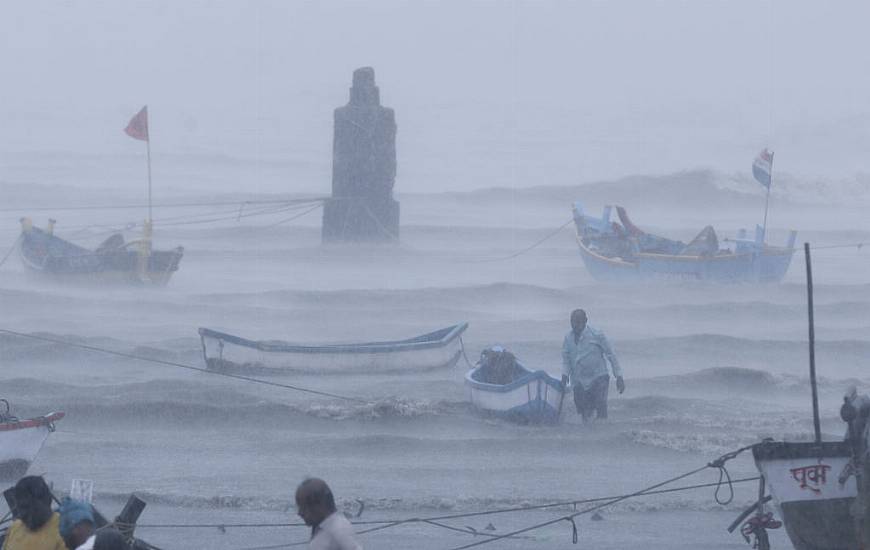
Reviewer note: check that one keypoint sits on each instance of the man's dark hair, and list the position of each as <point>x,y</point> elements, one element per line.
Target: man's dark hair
<point>316,494</point>
<point>33,501</point>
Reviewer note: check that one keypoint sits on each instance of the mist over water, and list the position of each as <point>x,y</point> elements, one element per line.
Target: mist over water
<point>507,113</point>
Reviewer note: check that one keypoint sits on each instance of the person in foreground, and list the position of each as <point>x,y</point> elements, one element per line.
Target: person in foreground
<point>330,530</point>
<point>585,354</point>
<point>37,527</point>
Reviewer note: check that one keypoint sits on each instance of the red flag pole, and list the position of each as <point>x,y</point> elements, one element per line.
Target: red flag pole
<point>137,128</point>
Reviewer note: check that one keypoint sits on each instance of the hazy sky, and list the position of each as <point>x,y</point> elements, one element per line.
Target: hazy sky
<point>486,93</point>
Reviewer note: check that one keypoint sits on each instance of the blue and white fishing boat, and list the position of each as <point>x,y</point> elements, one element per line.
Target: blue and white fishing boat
<point>621,252</point>
<point>229,353</point>
<point>516,393</point>
<point>114,261</point>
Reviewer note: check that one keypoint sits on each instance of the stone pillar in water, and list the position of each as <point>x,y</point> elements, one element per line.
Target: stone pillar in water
<point>362,207</point>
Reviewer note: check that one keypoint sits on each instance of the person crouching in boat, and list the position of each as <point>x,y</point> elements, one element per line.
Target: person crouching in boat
<point>37,526</point>
<point>585,354</point>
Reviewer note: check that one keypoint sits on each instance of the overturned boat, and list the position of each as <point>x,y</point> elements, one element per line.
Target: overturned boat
<point>620,251</point>
<point>113,261</point>
<point>502,386</point>
<point>21,440</point>
<point>228,353</point>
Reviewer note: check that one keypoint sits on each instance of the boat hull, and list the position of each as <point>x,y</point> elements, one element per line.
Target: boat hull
<point>58,259</point>
<point>21,441</point>
<point>803,479</point>
<point>536,397</point>
<point>228,353</point>
<point>769,266</point>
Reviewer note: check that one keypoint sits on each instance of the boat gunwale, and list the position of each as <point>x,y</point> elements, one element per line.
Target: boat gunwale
<point>767,251</point>
<point>31,422</point>
<point>524,380</point>
<point>451,333</point>
<point>786,450</point>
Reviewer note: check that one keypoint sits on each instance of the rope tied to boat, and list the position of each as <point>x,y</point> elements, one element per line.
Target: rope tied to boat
<point>11,249</point>
<point>725,475</point>
<point>538,243</point>
<point>464,355</point>
<point>184,366</point>
<point>574,535</point>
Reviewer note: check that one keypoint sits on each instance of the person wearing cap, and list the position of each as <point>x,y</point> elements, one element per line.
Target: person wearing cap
<point>585,355</point>
<point>36,526</point>
<point>330,530</point>
<point>77,524</point>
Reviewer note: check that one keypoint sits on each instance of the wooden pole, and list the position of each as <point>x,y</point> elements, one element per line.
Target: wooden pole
<point>812,338</point>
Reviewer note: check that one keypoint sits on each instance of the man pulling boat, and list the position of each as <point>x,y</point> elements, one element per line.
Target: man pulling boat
<point>585,355</point>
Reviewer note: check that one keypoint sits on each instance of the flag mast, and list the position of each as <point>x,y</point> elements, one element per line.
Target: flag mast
<point>137,128</point>
<point>766,198</point>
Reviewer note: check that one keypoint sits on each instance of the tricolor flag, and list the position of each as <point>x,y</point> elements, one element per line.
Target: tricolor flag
<point>762,167</point>
<point>138,126</point>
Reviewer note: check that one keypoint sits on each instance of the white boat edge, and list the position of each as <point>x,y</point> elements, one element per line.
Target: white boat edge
<point>21,441</point>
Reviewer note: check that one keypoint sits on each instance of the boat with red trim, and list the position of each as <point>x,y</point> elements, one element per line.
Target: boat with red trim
<point>22,439</point>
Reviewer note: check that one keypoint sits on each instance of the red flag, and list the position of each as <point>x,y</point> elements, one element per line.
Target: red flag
<point>138,126</point>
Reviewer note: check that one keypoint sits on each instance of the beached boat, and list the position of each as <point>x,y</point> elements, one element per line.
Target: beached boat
<point>229,353</point>
<point>113,261</point>
<point>21,440</point>
<point>810,483</point>
<point>822,488</point>
<point>518,394</point>
<point>620,251</point>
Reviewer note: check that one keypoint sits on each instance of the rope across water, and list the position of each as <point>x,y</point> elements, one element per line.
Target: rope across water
<point>182,366</point>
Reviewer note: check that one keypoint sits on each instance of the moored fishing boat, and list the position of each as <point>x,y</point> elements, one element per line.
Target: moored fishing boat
<point>21,440</point>
<point>229,353</point>
<point>822,488</point>
<point>113,261</point>
<point>810,483</point>
<point>502,386</point>
<point>621,252</point>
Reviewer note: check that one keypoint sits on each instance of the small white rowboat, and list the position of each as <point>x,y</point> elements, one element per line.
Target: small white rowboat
<point>229,353</point>
<point>531,397</point>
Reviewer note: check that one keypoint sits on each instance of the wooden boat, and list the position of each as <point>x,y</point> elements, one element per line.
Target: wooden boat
<point>113,261</point>
<point>822,488</point>
<point>620,251</point>
<point>21,440</point>
<point>810,484</point>
<point>229,353</point>
<point>524,395</point>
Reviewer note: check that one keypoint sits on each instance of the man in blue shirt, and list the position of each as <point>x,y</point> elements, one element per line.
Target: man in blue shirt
<point>585,354</point>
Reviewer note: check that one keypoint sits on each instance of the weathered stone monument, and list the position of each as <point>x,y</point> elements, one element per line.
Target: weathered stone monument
<point>362,207</point>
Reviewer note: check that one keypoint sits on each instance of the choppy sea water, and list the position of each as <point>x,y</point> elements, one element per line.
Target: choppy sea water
<point>709,369</point>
